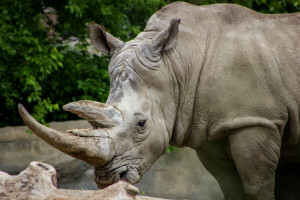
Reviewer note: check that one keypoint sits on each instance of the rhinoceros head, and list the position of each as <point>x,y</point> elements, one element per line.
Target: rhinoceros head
<point>134,127</point>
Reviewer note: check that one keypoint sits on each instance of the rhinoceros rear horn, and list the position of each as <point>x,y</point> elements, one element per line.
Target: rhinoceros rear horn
<point>101,40</point>
<point>96,151</point>
<point>98,114</point>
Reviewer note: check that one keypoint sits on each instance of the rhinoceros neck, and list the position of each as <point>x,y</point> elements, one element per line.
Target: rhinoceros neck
<point>186,69</point>
<point>197,37</point>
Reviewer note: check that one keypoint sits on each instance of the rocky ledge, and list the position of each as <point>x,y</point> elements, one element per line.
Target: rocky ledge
<point>38,181</point>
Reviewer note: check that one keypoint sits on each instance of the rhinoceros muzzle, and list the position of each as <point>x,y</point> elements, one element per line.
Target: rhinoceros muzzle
<point>93,145</point>
<point>122,167</point>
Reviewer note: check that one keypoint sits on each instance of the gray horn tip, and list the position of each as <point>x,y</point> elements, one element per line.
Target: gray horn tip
<point>20,106</point>
<point>67,107</point>
<point>22,109</point>
<point>71,107</point>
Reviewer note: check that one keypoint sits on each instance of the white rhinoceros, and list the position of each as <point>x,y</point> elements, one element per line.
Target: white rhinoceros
<point>225,82</point>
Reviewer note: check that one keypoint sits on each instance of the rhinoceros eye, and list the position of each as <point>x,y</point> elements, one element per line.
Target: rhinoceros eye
<point>141,123</point>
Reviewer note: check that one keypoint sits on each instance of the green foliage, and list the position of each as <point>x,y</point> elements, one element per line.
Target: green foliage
<point>171,149</point>
<point>28,57</point>
<point>42,70</point>
<point>38,66</point>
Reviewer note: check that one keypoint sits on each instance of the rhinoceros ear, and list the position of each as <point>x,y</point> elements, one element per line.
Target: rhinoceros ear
<point>166,39</point>
<point>101,40</point>
<point>150,53</point>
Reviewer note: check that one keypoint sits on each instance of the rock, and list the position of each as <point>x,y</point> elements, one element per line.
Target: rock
<point>35,182</point>
<point>119,190</point>
<point>38,181</point>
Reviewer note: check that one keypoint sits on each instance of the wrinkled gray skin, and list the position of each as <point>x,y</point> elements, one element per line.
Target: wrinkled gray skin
<point>221,79</point>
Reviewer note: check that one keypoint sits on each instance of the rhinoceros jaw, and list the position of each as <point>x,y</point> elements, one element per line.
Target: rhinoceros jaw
<point>96,151</point>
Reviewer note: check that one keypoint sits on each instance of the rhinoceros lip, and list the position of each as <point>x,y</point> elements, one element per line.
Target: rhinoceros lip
<point>109,178</point>
<point>130,172</point>
<point>132,175</point>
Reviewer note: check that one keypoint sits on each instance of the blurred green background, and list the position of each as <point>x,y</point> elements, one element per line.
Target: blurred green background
<point>46,61</point>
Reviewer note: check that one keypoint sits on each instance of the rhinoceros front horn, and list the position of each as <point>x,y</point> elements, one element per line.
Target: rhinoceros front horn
<point>97,150</point>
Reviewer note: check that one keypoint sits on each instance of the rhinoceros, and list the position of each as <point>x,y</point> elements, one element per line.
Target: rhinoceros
<point>221,79</point>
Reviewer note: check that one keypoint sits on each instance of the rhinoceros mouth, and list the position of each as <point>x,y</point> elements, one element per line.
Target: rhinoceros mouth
<point>127,170</point>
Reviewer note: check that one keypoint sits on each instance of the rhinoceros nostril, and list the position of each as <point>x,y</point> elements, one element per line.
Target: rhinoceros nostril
<point>123,175</point>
